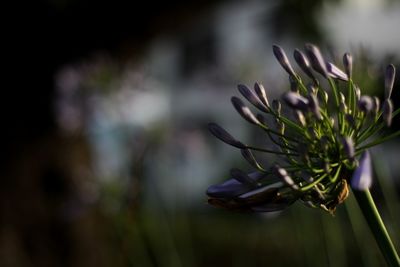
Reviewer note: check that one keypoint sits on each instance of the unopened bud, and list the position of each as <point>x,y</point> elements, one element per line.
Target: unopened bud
<point>313,105</point>
<point>316,59</point>
<point>335,72</point>
<point>282,173</point>
<point>283,59</point>
<point>325,96</point>
<point>365,104</point>
<point>348,64</point>
<point>387,111</point>
<point>348,146</point>
<point>252,98</point>
<point>377,104</point>
<point>261,93</point>
<point>389,80</point>
<point>358,92</point>
<point>296,101</point>
<point>244,111</point>
<point>242,177</point>
<point>224,136</point>
<point>249,157</point>
<point>277,106</point>
<point>303,63</point>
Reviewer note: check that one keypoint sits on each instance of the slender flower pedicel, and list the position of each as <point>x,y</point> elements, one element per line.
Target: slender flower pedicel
<point>318,136</point>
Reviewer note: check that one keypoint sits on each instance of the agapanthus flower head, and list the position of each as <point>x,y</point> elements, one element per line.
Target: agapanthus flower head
<point>318,136</point>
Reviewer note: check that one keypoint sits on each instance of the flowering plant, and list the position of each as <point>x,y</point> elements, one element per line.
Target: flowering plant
<point>321,145</point>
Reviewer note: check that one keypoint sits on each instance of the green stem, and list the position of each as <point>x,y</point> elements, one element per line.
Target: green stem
<point>377,227</point>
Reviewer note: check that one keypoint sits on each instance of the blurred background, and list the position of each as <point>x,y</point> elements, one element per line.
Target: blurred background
<point>105,151</point>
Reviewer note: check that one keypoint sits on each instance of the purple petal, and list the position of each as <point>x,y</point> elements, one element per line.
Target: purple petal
<point>285,177</point>
<point>304,64</point>
<point>348,64</point>
<point>251,97</point>
<point>313,104</point>
<point>389,80</point>
<point>316,59</point>
<point>296,101</point>
<point>249,157</point>
<point>335,72</point>
<point>224,136</point>
<point>348,146</point>
<point>244,111</point>
<point>262,95</point>
<point>242,177</point>
<point>387,111</point>
<point>228,189</point>
<point>256,193</point>
<point>362,177</point>
<point>283,59</point>
<point>366,104</point>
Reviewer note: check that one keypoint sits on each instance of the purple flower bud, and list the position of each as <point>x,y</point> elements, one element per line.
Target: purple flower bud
<point>224,136</point>
<point>303,63</point>
<point>283,59</point>
<point>262,95</point>
<point>282,174</point>
<point>377,104</point>
<point>228,189</point>
<point>313,105</point>
<point>261,119</point>
<point>249,157</point>
<point>348,64</point>
<point>362,176</point>
<point>335,72</point>
<point>296,101</point>
<point>244,111</point>
<point>262,194</point>
<point>251,97</point>
<point>348,146</point>
<point>242,177</point>
<point>276,105</point>
<point>365,104</point>
<point>316,59</point>
<point>389,80</point>
<point>387,111</point>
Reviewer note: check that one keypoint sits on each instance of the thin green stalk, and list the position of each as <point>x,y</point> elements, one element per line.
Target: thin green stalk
<point>379,141</point>
<point>377,227</point>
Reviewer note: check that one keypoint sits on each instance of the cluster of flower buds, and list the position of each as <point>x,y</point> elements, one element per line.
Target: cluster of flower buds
<point>321,146</point>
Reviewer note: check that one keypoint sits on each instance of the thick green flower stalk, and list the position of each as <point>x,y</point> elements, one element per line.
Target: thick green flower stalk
<point>321,135</point>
